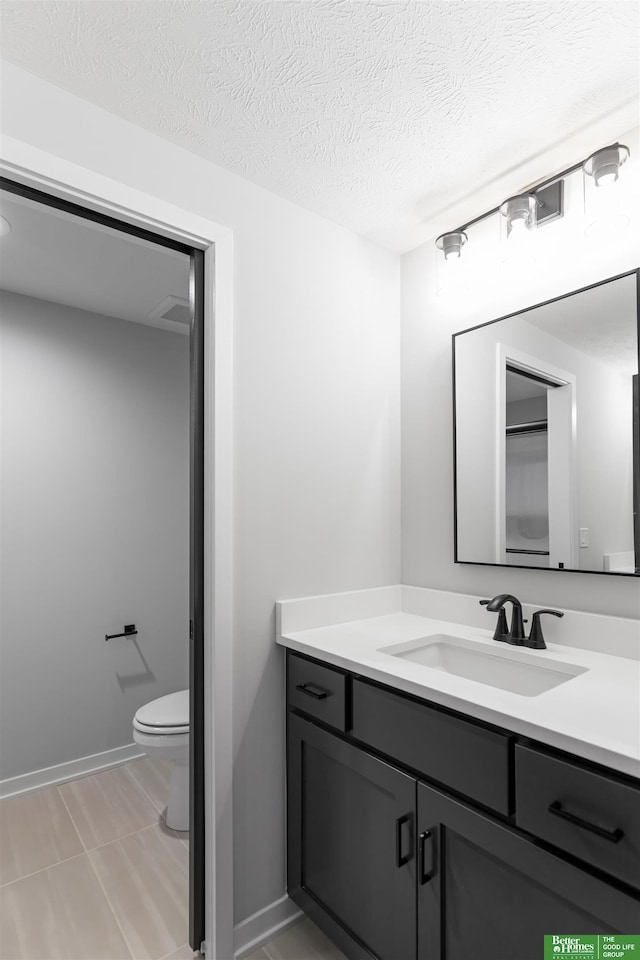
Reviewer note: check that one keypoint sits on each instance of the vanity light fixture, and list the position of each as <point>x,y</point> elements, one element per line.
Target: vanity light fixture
<point>606,208</point>
<point>519,216</point>
<point>604,165</point>
<point>449,269</point>
<point>522,214</point>
<point>451,244</point>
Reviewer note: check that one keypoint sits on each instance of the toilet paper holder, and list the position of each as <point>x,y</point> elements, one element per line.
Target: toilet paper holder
<point>129,631</point>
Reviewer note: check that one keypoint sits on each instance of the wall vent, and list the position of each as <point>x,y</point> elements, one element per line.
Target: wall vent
<point>173,309</point>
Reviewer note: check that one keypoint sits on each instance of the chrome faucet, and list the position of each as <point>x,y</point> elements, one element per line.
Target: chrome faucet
<point>516,634</point>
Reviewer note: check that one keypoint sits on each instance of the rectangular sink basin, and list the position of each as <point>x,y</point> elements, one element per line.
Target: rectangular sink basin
<point>512,669</point>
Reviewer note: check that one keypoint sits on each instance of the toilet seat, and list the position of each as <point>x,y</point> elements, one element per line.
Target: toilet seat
<point>156,731</point>
<point>166,716</point>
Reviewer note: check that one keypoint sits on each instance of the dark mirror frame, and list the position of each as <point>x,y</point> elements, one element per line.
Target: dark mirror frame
<point>636,437</point>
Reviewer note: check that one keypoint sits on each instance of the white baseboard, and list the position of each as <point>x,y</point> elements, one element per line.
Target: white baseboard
<point>82,767</point>
<point>267,923</point>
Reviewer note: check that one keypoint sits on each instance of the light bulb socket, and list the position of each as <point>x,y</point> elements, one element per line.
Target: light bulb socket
<point>604,165</point>
<point>451,244</point>
<point>520,210</point>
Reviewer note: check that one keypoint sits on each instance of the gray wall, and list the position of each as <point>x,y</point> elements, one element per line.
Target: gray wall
<point>95,434</point>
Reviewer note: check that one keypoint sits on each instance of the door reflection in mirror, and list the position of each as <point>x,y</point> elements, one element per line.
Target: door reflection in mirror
<point>526,470</point>
<point>545,434</point>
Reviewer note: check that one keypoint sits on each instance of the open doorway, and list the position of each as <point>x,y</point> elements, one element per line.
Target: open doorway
<point>175,315</point>
<point>535,462</point>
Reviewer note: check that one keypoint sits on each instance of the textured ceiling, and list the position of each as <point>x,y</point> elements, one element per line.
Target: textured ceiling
<point>376,114</point>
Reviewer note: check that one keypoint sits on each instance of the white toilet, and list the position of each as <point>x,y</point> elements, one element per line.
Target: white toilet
<point>161,729</point>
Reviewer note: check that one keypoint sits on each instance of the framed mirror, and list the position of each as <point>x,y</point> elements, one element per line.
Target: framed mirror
<point>547,434</point>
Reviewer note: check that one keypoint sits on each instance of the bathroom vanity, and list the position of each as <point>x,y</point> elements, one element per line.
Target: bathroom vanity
<point>420,829</point>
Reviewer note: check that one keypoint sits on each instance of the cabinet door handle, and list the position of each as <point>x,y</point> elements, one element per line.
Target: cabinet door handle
<point>312,691</point>
<point>400,860</point>
<point>615,836</point>
<point>425,875</point>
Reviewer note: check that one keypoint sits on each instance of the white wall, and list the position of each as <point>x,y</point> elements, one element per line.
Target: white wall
<point>95,528</point>
<point>605,464</point>
<point>317,372</point>
<point>429,318</point>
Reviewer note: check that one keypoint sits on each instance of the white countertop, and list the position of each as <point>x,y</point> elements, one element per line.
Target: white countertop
<point>595,715</point>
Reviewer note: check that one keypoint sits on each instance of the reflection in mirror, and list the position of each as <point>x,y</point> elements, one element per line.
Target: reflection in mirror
<point>526,468</point>
<point>546,448</point>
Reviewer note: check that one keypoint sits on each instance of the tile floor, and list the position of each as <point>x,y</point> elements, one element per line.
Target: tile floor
<point>89,871</point>
<point>302,942</point>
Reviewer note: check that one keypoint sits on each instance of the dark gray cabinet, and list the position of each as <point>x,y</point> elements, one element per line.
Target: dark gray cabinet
<point>485,891</point>
<point>351,843</point>
<point>400,851</point>
<point>581,811</point>
<point>318,691</point>
<point>469,758</point>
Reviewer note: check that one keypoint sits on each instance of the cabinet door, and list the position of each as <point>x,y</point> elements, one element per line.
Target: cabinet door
<point>488,893</point>
<point>351,844</point>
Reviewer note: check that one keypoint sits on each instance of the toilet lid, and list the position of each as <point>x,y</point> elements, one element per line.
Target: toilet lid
<point>167,712</point>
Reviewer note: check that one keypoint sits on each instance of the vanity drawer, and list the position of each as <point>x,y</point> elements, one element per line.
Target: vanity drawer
<point>318,690</point>
<point>588,814</point>
<point>469,758</point>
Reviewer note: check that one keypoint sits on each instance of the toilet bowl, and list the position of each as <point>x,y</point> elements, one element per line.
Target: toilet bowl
<point>161,729</point>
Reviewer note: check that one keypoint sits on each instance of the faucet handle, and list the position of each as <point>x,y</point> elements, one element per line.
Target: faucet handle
<point>536,639</point>
<point>502,631</point>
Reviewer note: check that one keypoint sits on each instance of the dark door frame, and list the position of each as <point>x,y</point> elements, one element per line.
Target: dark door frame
<point>196,609</point>
<point>196,561</point>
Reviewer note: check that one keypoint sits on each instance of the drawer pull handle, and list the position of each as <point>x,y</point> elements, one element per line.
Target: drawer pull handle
<point>615,836</point>
<point>426,875</point>
<point>312,691</point>
<point>400,860</point>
